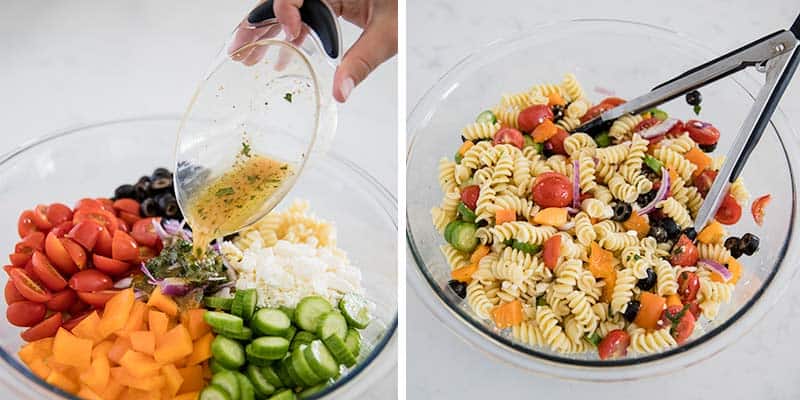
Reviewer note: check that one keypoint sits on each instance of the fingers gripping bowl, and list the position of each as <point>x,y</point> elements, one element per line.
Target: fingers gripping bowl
<point>600,53</point>
<point>48,170</point>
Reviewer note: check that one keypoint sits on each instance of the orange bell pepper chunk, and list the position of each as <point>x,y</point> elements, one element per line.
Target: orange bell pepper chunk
<point>712,233</point>
<point>608,288</point>
<point>601,261</point>
<point>736,269</point>
<point>544,131</point>
<point>507,315</point>
<point>480,252</point>
<point>699,159</point>
<point>637,223</point>
<point>464,147</point>
<point>650,310</point>
<point>555,99</point>
<point>504,215</point>
<point>464,274</point>
<point>552,216</point>
<point>674,300</point>
<point>71,350</point>
<point>162,302</point>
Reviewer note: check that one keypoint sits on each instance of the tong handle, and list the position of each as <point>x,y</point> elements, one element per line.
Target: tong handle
<point>315,13</point>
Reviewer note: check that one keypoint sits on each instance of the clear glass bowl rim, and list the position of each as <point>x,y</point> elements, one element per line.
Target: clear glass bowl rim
<point>385,197</point>
<point>525,357</point>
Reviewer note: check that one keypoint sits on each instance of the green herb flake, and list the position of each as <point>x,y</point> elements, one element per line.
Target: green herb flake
<point>697,109</point>
<point>226,191</point>
<point>245,149</point>
<point>288,97</point>
<point>594,339</point>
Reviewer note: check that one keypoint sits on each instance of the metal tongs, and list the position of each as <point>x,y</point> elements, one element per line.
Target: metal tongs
<point>775,55</point>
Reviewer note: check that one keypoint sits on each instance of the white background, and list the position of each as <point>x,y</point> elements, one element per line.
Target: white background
<point>762,365</point>
<point>69,63</point>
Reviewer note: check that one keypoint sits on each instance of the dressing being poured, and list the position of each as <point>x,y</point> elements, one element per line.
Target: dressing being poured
<point>229,202</point>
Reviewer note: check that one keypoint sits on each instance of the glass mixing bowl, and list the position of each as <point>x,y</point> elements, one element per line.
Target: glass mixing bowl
<point>92,161</point>
<point>629,58</point>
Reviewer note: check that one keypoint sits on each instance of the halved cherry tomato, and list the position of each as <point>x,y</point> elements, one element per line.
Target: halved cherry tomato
<point>704,180</point>
<point>88,204</point>
<point>25,313</point>
<point>104,244</point>
<point>676,129</point>
<point>11,293</point>
<point>85,233</point>
<point>552,190</point>
<point>58,255</point>
<point>695,309</point>
<point>145,233</point>
<point>90,280</point>
<point>97,299</point>
<point>109,265</point>
<point>107,204</point>
<point>123,226</point>
<point>684,328</point>
<point>62,300</point>
<point>614,345</point>
<point>127,205</point>
<point>62,229</point>
<point>44,329</point>
<point>605,105</point>
<point>19,259</point>
<point>27,287</point>
<point>124,248</point>
<point>76,252</point>
<point>702,132</point>
<point>469,195</point>
<point>78,307</point>
<point>758,208</point>
<point>532,116</point>
<point>25,224</point>
<point>556,142</point>
<point>551,251</point>
<point>46,273</point>
<point>71,323</point>
<point>102,217</point>
<point>30,243</point>
<point>39,218</point>
<point>510,136</point>
<point>646,124</point>
<point>146,253</point>
<point>684,253</point>
<point>729,211</point>
<point>688,286</point>
<point>58,213</point>
<point>128,218</point>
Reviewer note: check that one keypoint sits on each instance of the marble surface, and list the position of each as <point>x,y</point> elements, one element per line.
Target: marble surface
<point>761,365</point>
<point>66,64</point>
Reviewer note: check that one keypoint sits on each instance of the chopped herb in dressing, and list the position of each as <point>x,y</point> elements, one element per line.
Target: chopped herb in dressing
<point>288,97</point>
<point>226,191</point>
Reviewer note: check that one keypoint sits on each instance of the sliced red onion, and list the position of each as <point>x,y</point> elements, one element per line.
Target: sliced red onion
<point>573,210</point>
<point>123,283</point>
<point>567,226</point>
<point>146,272</point>
<point>576,184</point>
<point>717,267</point>
<point>658,129</point>
<point>172,226</point>
<point>162,234</point>
<point>174,286</point>
<point>138,294</point>
<point>663,192</point>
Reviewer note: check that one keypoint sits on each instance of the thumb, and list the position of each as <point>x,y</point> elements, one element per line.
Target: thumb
<point>377,44</point>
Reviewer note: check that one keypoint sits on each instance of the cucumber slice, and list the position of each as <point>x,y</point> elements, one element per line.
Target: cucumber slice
<point>526,247</point>
<point>302,337</point>
<point>255,360</point>
<point>603,140</point>
<point>467,215</point>
<point>215,366</point>
<point>458,157</point>
<point>214,392</point>
<point>658,114</point>
<point>283,374</point>
<point>271,322</point>
<point>463,237</point>
<point>449,229</point>
<point>289,311</point>
<point>309,311</point>
<point>228,382</point>
<point>287,364</point>
<point>303,370</point>
<point>289,335</point>
<point>320,359</point>
<point>244,303</point>
<point>486,116</point>
<point>332,323</point>
<point>653,163</point>
<point>355,309</point>
<point>306,393</point>
<point>339,350</point>
<point>353,342</point>
<point>269,347</point>
<point>219,303</point>
<point>271,375</point>
<point>228,353</point>
<point>246,390</point>
<point>243,334</point>
<point>223,321</point>
<point>260,384</point>
<point>528,141</point>
<point>283,395</point>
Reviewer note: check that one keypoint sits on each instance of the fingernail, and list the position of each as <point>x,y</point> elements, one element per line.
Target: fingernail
<point>347,87</point>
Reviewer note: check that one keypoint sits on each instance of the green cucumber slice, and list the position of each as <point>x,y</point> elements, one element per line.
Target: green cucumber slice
<point>272,322</point>
<point>463,238</point>
<point>270,374</point>
<point>228,382</point>
<point>466,214</point>
<point>287,364</point>
<point>310,310</point>
<point>603,140</point>
<point>308,392</point>
<point>302,337</point>
<point>244,303</point>
<point>339,350</point>
<point>254,360</point>
<point>486,116</point>
<point>320,359</point>
<point>246,390</point>
<point>283,374</point>
<point>303,370</point>
<point>355,309</point>
<point>283,395</point>
<point>529,248</point>
<point>260,384</point>
<point>332,323</point>
<point>269,347</point>
<point>214,392</point>
<point>218,320</point>
<point>289,311</point>
<point>215,366</point>
<point>228,353</point>
<point>353,342</point>
<point>653,163</point>
<point>658,114</point>
<point>449,229</point>
<point>289,335</point>
<point>528,141</point>
<point>219,303</point>
<point>244,334</point>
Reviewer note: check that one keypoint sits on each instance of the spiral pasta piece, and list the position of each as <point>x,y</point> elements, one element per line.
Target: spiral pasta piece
<point>523,207</point>
<point>623,127</point>
<point>523,232</point>
<point>552,333</point>
<point>673,209</point>
<point>715,252</point>
<point>584,230</point>
<point>681,144</point>
<point>508,115</point>
<point>579,142</point>
<point>480,131</point>
<point>675,160</point>
<point>572,88</point>
<point>528,333</point>
<point>623,290</point>
<point>455,258</point>
<point>657,341</point>
<point>586,178</point>
<point>568,124</point>
<point>447,175</point>
<point>478,300</point>
<point>613,154</point>
<point>622,190</point>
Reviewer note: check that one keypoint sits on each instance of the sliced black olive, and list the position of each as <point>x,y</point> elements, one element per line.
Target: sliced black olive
<point>144,179</point>
<point>690,232</point>
<point>161,184</point>
<point>458,287</point>
<point>673,230</point>
<point>749,244</point>
<point>631,310</point>
<point>482,223</point>
<point>149,207</point>
<point>558,112</point>
<point>463,139</point>
<point>622,211</point>
<point>142,189</point>
<point>736,252</point>
<point>731,242</point>
<point>708,148</point>
<point>649,281</point>
<point>659,233</point>
<point>170,207</point>
<point>694,98</point>
<point>645,198</point>
<point>125,192</point>
<point>161,173</point>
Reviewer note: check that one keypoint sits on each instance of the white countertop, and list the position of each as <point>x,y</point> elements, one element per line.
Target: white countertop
<point>66,64</point>
<point>761,365</point>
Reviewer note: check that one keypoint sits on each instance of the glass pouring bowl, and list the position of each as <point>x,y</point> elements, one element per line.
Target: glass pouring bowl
<point>630,58</point>
<point>92,161</point>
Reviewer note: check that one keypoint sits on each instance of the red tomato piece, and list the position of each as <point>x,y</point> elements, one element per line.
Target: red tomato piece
<point>684,253</point>
<point>109,265</point>
<point>532,116</point>
<point>107,204</point>
<point>729,211</point>
<point>469,195</point>
<point>78,307</point>
<point>605,105</point>
<point>702,132</point>
<point>129,218</point>
<point>676,129</point>
<point>19,259</point>
<point>104,244</point>
<point>11,293</point>
<point>97,299</point>
<point>39,218</point>
<point>688,286</point>
<point>30,243</point>
<point>75,251</point>
<point>46,273</point>
<point>88,204</point>
<point>758,207</point>
<point>127,205</point>
<point>106,219</point>
<point>552,190</point>
<point>27,287</point>
<point>58,213</point>
<point>614,345</point>
<point>71,323</point>
<point>62,229</point>
<point>62,300</point>
<point>25,313</point>
<point>704,180</point>
<point>44,329</point>
<point>646,124</point>
<point>145,233</point>
<point>684,328</point>
<point>90,280</point>
<point>58,255</point>
<point>695,309</point>
<point>25,224</point>
<point>146,253</point>
<point>509,136</point>
<point>85,233</point>
<point>551,251</point>
<point>556,143</point>
<point>124,248</point>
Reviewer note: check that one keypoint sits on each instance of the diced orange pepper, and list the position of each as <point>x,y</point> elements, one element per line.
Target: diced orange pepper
<point>202,350</point>
<point>40,368</point>
<point>192,379</point>
<point>112,391</point>
<point>637,223</point>
<point>120,347</point>
<point>194,322</point>
<point>62,382</point>
<point>173,377</point>
<point>125,378</point>
<point>86,393</point>
<point>116,312</point>
<point>481,251</point>
<point>102,349</point>
<point>159,322</point>
<point>673,176</point>
<point>88,328</point>
<point>544,131</point>
<point>143,341</point>
<point>674,300</point>
<point>464,274</point>
<point>736,270</point>
<point>174,345</point>
<point>162,302</point>
<point>699,159</point>
<point>608,289</point>
<point>188,396</point>
<point>504,215</point>
<point>650,310</point>
<point>139,364</point>
<point>71,350</point>
<point>136,321</point>
<point>96,377</point>
<point>555,99</point>
<point>552,216</point>
<point>508,315</point>
<point>712,233</point>
<point>464,147</point>
<point>601,261</point>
